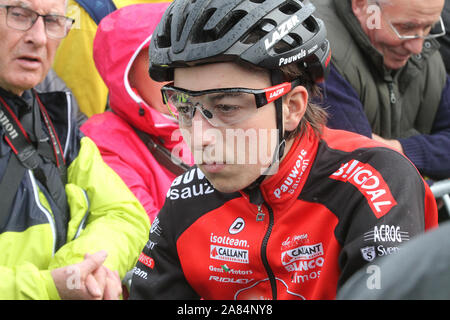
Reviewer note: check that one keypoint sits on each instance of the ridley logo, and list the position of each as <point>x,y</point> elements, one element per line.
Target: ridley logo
<point>370,183</point>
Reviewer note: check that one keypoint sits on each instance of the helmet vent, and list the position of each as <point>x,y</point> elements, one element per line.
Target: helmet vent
<point>289,42</point>
<point>223,27</point>
<point>290,8</point>
<point>310,25</point>
<point>164,40</point>
<point>202,34</point>
<point>258,32</point>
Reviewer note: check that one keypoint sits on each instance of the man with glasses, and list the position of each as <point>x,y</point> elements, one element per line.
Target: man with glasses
<point>278,206</point>
<point>69,227</point>
<point>387,79</point>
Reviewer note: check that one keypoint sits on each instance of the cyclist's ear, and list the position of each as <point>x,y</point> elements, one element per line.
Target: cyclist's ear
<point>294,107</point>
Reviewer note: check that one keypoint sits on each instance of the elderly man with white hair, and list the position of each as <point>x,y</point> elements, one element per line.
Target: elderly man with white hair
<point>69,226</point>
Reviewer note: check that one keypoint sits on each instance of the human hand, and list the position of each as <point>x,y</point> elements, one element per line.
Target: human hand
<point>394,144</point>
<point>112,288</point>
<point>86,280</point>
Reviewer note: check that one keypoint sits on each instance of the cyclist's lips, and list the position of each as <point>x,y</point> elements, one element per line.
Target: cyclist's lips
<point>213,167</point>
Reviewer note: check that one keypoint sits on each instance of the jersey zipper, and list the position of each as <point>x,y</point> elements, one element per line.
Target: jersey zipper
<point>260,217</point>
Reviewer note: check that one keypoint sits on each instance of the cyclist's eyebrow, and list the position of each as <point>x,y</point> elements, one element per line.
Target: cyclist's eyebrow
<point>223,95</point>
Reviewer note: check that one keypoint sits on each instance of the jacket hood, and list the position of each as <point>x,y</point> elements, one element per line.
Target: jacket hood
<point>119,39</point>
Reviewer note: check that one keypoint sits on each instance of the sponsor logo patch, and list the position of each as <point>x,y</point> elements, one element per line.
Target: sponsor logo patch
<point>307,252</point>
<point>146,260</point>
<point>292,181</point>
<point>228,254</point>
<point>282,31</point>
<point>368,253</point>
<point>237,226</point>
<point>386,233</point>
<point>370,183</point>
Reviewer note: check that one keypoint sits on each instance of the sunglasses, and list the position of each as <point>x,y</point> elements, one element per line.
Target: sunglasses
<point>221,107</point>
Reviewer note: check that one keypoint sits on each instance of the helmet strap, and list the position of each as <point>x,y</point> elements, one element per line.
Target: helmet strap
<point>253,189</point>
<point>277,78</point>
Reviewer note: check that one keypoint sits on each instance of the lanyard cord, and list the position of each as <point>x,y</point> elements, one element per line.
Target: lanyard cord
<point>57,149</point>
<point>32,158</point>
<point>18,139</point>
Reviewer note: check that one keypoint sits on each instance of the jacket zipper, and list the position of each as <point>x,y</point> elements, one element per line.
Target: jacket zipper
<point>392,96</point>
<point>260,217</point>
<point>83,222</point>
<point>47,214</point>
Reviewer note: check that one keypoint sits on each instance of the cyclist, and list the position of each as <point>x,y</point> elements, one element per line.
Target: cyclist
<point>311,208</point>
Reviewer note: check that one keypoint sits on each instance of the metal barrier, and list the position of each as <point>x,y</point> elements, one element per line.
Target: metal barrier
<point>441,190</point>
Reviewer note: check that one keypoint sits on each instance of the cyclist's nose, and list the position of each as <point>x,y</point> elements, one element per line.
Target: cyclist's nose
<point>201,129</point>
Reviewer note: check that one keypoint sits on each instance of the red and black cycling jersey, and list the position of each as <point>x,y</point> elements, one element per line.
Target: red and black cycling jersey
<point>336,203</point>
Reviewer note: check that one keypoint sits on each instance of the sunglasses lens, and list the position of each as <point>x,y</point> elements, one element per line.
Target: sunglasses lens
<point>220,108</point>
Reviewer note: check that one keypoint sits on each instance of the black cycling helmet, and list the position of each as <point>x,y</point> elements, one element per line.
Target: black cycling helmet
<point>264,33</point>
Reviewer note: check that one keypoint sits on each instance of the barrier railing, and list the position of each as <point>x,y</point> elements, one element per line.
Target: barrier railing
<point>441,190</point>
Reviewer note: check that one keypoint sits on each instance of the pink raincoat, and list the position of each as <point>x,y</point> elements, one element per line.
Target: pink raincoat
<point>119,39</point>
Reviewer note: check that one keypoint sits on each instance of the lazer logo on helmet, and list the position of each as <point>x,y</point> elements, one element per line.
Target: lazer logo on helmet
<point>282,31</point>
